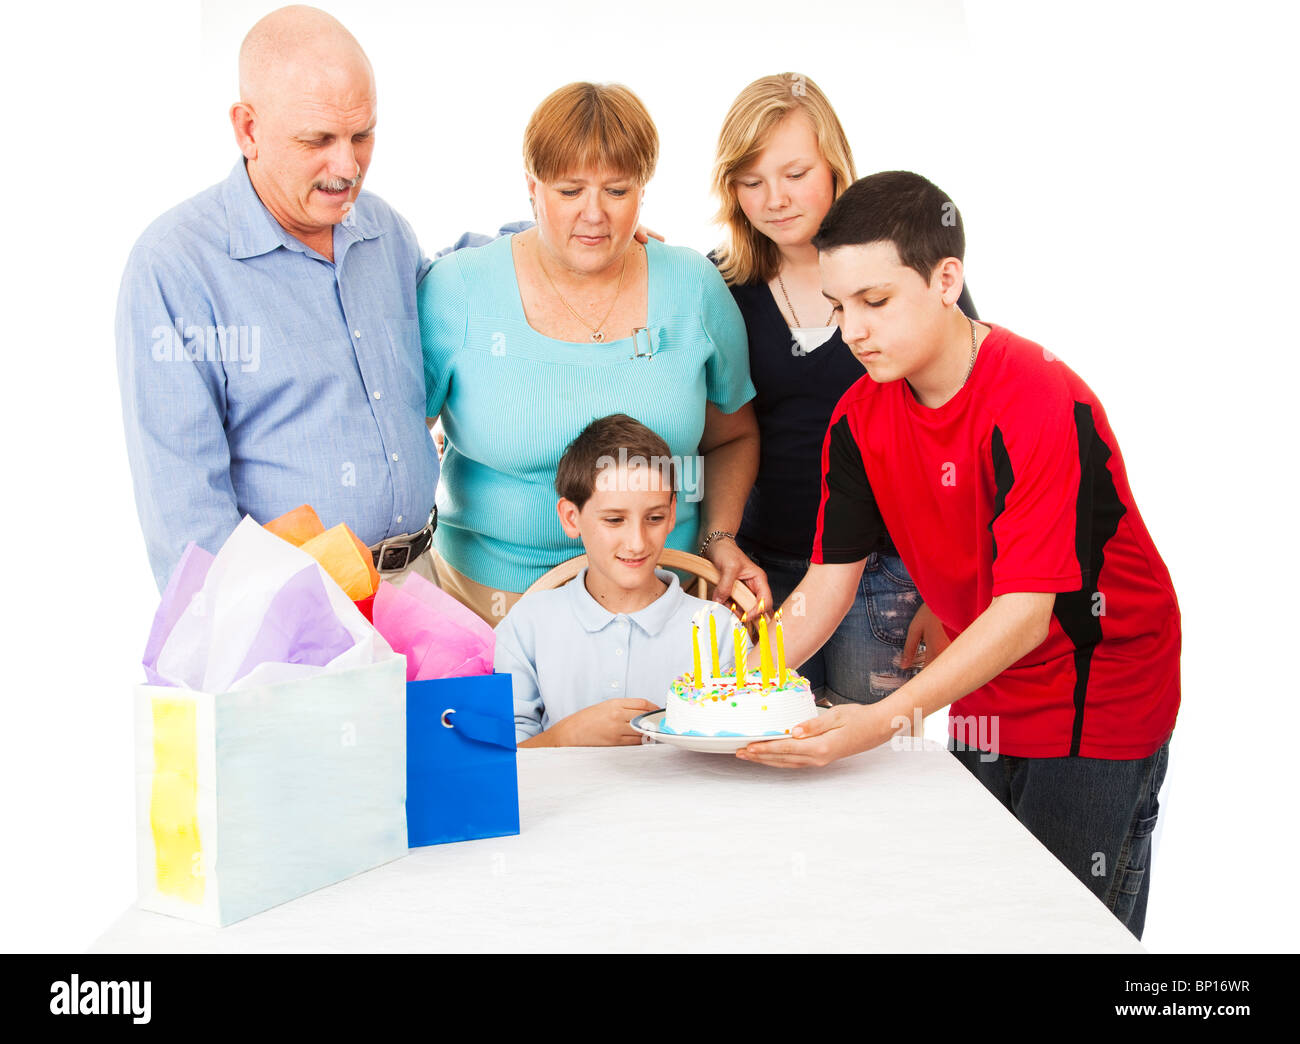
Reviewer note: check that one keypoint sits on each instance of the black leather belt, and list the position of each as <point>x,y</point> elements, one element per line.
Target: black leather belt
<point>396,553</point>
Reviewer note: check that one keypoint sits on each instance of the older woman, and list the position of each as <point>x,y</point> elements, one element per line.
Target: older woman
<point>529,338</point>
<point>782,160</point>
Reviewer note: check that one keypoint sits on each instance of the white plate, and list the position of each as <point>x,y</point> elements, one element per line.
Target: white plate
<point>648,725</point>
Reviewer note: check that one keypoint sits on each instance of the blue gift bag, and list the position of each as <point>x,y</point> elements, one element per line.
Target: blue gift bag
<point>460,760</point>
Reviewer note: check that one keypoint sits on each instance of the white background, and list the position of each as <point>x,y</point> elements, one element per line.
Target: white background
<point>1128,185</point>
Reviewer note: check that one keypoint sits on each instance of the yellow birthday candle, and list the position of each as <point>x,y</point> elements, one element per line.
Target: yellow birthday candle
<point>780,651</point>
<point>738,632</point>
<point>713,646</point>
<point>764,648</point>
<point>695,649</point>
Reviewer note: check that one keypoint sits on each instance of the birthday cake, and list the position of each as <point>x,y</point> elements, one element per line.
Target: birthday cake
<point>720,707</point>
<point>767,701</point>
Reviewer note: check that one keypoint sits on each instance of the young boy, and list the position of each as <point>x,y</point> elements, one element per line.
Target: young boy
<point>994,468</point>
<point>587,658</point>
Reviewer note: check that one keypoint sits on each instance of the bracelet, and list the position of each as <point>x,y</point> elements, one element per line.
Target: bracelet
<point>710,538</point>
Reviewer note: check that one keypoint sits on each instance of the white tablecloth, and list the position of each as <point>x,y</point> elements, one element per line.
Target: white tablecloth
<point>657,849</point>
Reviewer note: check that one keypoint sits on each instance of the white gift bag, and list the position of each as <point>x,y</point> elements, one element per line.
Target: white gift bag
<point>250,798</point>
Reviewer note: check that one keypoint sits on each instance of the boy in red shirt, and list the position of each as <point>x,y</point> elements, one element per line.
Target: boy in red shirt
<point>995,471</point>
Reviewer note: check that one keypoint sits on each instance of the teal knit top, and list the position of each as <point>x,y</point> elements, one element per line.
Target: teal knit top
<point>511,400</point>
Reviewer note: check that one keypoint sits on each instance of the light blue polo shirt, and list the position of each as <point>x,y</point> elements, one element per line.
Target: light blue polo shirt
<point>565,652</point>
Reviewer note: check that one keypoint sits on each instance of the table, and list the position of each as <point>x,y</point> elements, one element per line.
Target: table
<point>663,850</point>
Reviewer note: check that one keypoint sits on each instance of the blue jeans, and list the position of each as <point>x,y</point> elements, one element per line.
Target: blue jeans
<point>859,662</point>
<point>1095,815</point>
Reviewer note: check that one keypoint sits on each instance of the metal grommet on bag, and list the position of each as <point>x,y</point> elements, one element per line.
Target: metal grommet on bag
<point>445,723</point>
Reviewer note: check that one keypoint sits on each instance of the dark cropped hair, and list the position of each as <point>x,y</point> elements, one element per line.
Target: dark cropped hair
<point>898,207</point>
<point>608,442</point>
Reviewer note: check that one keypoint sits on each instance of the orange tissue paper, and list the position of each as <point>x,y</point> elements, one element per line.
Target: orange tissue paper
<point>297,526</point>
<point>342,554</point>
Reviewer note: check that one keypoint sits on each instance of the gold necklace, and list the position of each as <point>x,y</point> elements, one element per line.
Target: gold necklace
<point>797,325</point>
<point>597,331</point>
<point>971,367</point>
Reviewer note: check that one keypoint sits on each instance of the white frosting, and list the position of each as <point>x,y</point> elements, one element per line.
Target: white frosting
<point>719,707</point>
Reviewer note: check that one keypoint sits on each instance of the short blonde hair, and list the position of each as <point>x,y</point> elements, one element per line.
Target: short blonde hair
<point>590,126</point>
<point>746,255</point>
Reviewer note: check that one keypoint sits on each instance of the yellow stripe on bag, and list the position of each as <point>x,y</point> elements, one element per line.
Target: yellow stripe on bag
<point>174,806</point>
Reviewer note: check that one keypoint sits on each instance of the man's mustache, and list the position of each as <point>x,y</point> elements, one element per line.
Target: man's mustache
<point>337,184</point>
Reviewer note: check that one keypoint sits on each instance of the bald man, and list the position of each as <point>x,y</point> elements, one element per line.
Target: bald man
<point>267,341</point>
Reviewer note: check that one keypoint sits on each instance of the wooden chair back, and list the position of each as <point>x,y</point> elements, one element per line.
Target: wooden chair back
<point>703,572</point>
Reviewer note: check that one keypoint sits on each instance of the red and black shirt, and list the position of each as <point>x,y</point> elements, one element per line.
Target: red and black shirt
<point>1016,484</point>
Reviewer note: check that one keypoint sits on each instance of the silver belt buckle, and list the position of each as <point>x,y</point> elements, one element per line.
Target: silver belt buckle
<point>404,542</point>
<point>384,548</point>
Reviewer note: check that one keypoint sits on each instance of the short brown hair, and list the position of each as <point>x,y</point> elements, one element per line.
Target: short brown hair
<point>605,442</point>
<point>899,207</point>
<point>591,125</point>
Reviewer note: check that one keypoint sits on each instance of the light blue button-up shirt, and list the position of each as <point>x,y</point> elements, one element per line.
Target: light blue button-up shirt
<point>257,376</point>
<point>565,652</point>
